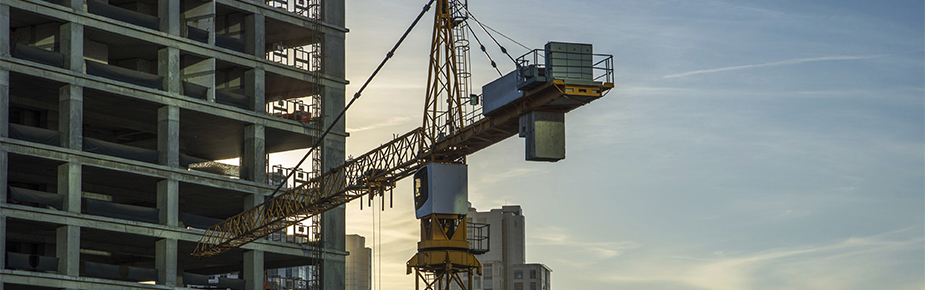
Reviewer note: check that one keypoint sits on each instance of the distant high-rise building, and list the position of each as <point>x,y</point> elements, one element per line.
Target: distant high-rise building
<point>503,266</point>
<point>358,265</point>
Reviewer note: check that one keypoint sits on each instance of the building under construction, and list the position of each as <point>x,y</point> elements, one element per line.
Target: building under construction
<point>113,115</point>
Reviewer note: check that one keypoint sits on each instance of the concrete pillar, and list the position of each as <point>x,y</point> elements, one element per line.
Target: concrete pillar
<point>202,73</point>
<point>333,13</point>
<point>67,249</point>
<point>254,157</point>
<point>165,261</point>
<point>69,184</point>
<point>253,200</point>
<point>332,60</point>
<point>2,240</point>
<point>77,5</point>
<point>70,116</point>
<point>4,175</point>
<point>72,45</point>
<point>168,66</point>
<point>168,135</point>
<point>169,13</point>
<point>253,270</point>
<point>333,221</point>
<point>168,202</point>
<point>4,102</point>
<point>254,40</point>
<point>200,13</point>
<point>255,89</point>
<point>4,32</point>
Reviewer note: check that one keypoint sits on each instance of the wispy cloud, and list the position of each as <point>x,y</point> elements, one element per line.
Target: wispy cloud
<point>387,123</point>
<point>776,63</point>
<point>848,262</point>
<point>559,238</point>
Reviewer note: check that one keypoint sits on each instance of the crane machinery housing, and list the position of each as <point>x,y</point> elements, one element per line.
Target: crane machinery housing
<point>530,101</point>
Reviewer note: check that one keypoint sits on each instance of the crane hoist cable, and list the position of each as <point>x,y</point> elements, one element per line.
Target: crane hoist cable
<point>505,36</point>
<point>503,50</point>
<point>482,47</point>
<point>356,95</point>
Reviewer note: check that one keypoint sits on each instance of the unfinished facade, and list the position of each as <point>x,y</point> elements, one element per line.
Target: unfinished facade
<point>112,115</point>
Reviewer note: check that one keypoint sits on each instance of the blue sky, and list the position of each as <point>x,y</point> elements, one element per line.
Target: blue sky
<point>746,145</point>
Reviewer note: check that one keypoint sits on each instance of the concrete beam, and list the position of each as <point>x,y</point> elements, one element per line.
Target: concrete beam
<point>4,32</point>
<point>168,66</point>
<point>67,249</point>
<point>168,202</point>
<point>70,116</point>
<point>254,40</point>
<point>166,261</point>
<point>168,136</point>
<point>69,184</point>
<point>72,45</point>
<point>169,13</point>
<point>255,88</point>
<point>253,270</point>
<point>202,73</point>
<point>254,157</point>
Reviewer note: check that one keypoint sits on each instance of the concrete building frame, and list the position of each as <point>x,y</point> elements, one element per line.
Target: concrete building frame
<point>101,115</point>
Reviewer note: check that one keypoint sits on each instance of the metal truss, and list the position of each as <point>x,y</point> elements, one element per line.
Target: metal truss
<point>372,172</point>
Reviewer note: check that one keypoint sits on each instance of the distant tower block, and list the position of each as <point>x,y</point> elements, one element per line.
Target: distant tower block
<point>545,135</point>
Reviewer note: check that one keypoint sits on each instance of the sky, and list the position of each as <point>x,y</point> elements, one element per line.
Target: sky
<point>745,145</point>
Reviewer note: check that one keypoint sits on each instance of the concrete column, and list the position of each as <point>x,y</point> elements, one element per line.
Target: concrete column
<point>253,270</point>
<point>4,102</point>
<point>4,33</point>
<point>168,66</point>
<point>169,13</point>
<point>166,261</point>
<point>4,175</point>
<point>333,221</point>
<point>332,60</point>
<point>2,240</point>
<point>168,202</point>
<point>254,40</point>
<point>202,73</point>
<point>255,88</point>
<point>253,200</point>
<point>333,13</point>
<point>77,5</point>
<point>69,184</point>
<point>72,45</point>
<point>254,157</point>
<point>168,135</point>
<point>67,249</point>
<point>70,116</point>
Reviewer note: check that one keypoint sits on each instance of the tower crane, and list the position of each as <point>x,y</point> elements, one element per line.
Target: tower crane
<point>530,101</point>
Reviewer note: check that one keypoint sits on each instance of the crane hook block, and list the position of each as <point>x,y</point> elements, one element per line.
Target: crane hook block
<point>441,188</point>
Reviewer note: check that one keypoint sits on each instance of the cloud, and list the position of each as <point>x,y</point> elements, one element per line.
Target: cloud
<point>846,264</point>
<point>561,238</point>
<point>776,63</point>
<point>387,123</point>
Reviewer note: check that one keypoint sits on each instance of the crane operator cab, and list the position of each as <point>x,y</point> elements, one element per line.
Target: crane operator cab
<point>441,203</point>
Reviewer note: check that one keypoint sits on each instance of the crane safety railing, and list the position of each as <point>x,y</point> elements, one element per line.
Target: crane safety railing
<point>534,64</point>
<point>374,171</point>
<point>306,8</point>
<point>300,110</point>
